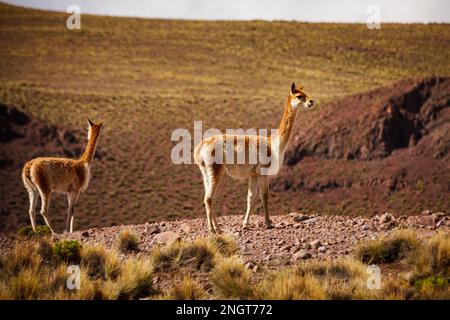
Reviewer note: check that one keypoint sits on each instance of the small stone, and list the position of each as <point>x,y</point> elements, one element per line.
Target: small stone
<point>387,217</point>
<point>315,244</point>
<point>184,228</point>
<point>167,237</point>
<point>428,221</point>
<point>310,221</point>
<point>300,218</point>
<point>281,242</point>
<point>155,231</point>
<point>85,234</point>
<point>301,255</point>
<point>322,249</point>
<point>440,223</point>
<point>426,212</point>
<point>365,227</point>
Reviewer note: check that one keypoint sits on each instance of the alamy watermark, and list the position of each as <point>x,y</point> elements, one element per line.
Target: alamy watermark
<point>74,280</point>
<point>374,277</point>
<point>373,21</point>
<point>73,22</point>
<point>235,146</point>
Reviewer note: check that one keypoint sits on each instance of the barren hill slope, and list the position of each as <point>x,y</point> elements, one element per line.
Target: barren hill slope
<point>388,148</point>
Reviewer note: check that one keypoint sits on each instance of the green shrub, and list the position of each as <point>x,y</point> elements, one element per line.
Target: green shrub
<point>41,231</point>
<point>68,251</point>
<point>435,282</point>
<point>26,231</point>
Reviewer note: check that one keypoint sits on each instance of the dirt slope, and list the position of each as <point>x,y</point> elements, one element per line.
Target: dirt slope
<point>295,237</point>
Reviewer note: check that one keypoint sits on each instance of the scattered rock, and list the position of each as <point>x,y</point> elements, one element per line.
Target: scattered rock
<point>315,244</point>
<point>301,255</point>
<point>166,237</point>
<point>386,217</point>
<point>249,265</point>
<point>365,227</point>
<point>300,218</point>
<point>428,220</point>
<point>85,234</point>
<point>310,221</point>
<point>322,249</point>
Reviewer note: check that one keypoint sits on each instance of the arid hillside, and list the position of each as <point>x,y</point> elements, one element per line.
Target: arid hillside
<point>385,150</point>
<point>146,78</point>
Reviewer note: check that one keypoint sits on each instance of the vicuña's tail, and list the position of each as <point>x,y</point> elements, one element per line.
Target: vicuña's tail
<point>197,156</point>
<point>26,177</point>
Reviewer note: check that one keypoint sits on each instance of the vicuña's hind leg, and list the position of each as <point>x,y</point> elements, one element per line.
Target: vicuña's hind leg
<point>72,199</point>
<point>45,203</point>
<point>33,195</point>
<point>252,190</point>
<point>214,174</point>
<point>264,192</point>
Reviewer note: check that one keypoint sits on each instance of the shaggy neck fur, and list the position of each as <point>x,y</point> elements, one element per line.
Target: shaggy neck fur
<point>89,152</point>
<point>286,125</point>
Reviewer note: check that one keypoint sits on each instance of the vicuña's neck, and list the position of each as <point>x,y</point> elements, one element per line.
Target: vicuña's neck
<point>89,152</point>
<point>286,125</point>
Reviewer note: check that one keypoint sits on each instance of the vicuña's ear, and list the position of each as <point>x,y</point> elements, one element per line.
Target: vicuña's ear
<point>100,124</point>
<point>90,123</point>
<point>293,87</point>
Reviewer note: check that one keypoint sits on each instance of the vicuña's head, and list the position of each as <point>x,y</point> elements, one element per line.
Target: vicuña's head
<point>299,97</point>
<point>94,129</point>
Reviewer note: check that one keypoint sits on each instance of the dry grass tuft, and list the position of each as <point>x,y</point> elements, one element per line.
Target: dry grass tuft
<point>127,241</point>
<point>134,281</point>
<point>188,289</point>
<point>231,279</point>
<point>288,285</point>
<point>197,255</point>
<point>387,250</point>
<point>225,245</point>
<point>100,263</point>
<point>433,258</point>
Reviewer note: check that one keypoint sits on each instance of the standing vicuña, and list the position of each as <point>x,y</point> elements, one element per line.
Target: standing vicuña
<point>71,176</point>
<point>239,146</point>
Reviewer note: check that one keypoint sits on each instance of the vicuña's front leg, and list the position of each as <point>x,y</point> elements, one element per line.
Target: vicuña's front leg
<point>252,190</point>
<point>264,192</point>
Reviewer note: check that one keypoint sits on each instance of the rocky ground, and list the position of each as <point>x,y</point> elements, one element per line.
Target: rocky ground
<point>296,236</point>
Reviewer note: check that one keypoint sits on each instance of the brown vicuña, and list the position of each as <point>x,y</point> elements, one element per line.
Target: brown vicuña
<point>240,146</point>
<point>46,175</point>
